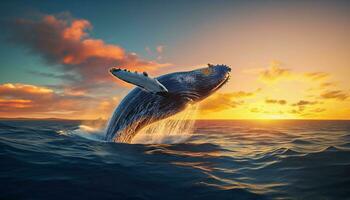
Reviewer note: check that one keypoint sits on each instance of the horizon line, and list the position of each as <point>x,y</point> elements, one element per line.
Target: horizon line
<point>102,119</point>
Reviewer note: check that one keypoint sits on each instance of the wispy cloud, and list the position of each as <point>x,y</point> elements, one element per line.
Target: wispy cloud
<point>276,101</point>
<point>274,72</point>
<point>304,103</point>
<point>222,101</point>
<point>305,107</point>
<point>60,76</point>
<point>316,75</point>
<point>325,85</point>
<point>335,94</point>
<point>156,52</point>
<point>160,49</point>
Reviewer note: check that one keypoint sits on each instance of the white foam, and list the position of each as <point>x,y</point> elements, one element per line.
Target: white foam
<point>175,129</point>
<point>90,132</point>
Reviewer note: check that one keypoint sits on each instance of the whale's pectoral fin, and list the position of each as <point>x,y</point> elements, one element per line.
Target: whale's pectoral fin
<point>141,80</point>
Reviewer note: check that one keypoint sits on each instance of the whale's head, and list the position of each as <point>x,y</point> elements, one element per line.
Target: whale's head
<point>198,84</point>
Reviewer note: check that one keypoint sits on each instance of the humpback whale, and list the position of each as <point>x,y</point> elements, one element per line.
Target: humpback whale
<point>158,98</point>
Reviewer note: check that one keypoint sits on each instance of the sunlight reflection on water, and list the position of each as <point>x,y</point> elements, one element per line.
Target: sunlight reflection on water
<point>175,129</point>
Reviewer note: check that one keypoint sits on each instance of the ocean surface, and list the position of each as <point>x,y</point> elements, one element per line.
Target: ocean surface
<point>55,159</point>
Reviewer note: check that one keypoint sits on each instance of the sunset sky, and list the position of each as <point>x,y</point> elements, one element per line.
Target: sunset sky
<point>289,59</point>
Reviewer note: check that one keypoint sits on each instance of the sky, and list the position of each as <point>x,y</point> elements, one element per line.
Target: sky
<point>289,59</point>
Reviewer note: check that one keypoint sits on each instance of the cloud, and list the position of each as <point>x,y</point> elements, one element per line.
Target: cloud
<point>17,99</point>
<point>303,107</point>
<point>322,88</point>
<point>255,110</point>
<point>265,111</point>
<point>219,102</point>
<point>65,76</point>
<point>335,94</point>
<point>63,40</point>
<point>274,72</point>
<point>156,52</point>
<point>302,111</point>
<point>18,95</point>
<point>243,94</point>
<point>160,49</point>
<point>148,50</point>
<point>276,101</point>
<point>325,85</point>
<point>316,75</point>
<point>9,89</point>
<point>222,101</point>
<point>318,110</point>
<point>304,103</point>
<point>15,103</point>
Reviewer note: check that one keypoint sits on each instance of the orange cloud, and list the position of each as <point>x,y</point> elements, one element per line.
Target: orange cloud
<point>75,31</point>
<point>316,75</point>
<point>304,103</point>
<point>23,100</point>
<point>274,72</point>
<point>242,94</point>
<point>335,94</point>
<point>222,101</point>
<point>63,40</point>
<point>327,85</point>
<point>304,108</point>
<point>94,49</point>
<point>255,110</point>
<point>15,103</point>
<point>9,88</point>
<point>276,101</point>
<point>306,112</point>
<point>318,110</point>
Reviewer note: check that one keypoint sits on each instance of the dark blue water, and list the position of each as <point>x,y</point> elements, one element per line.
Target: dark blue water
<point>222,160</point>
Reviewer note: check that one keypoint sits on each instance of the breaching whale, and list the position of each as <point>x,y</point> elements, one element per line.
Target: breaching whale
<point>158,98</point>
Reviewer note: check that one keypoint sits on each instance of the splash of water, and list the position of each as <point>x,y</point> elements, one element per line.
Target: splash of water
<point>92,130</point>
<point>175,129</point>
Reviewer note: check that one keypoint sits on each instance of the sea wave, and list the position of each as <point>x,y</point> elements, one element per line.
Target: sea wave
<point>221,160</point>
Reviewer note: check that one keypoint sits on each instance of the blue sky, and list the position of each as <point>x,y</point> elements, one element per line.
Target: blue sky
<point>134,25</point>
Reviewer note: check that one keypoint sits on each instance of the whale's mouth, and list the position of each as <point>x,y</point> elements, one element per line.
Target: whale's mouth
<point>223,82</point>
<point>196,97</point>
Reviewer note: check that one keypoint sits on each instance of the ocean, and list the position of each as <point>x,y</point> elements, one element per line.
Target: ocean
<point>277,159</point>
